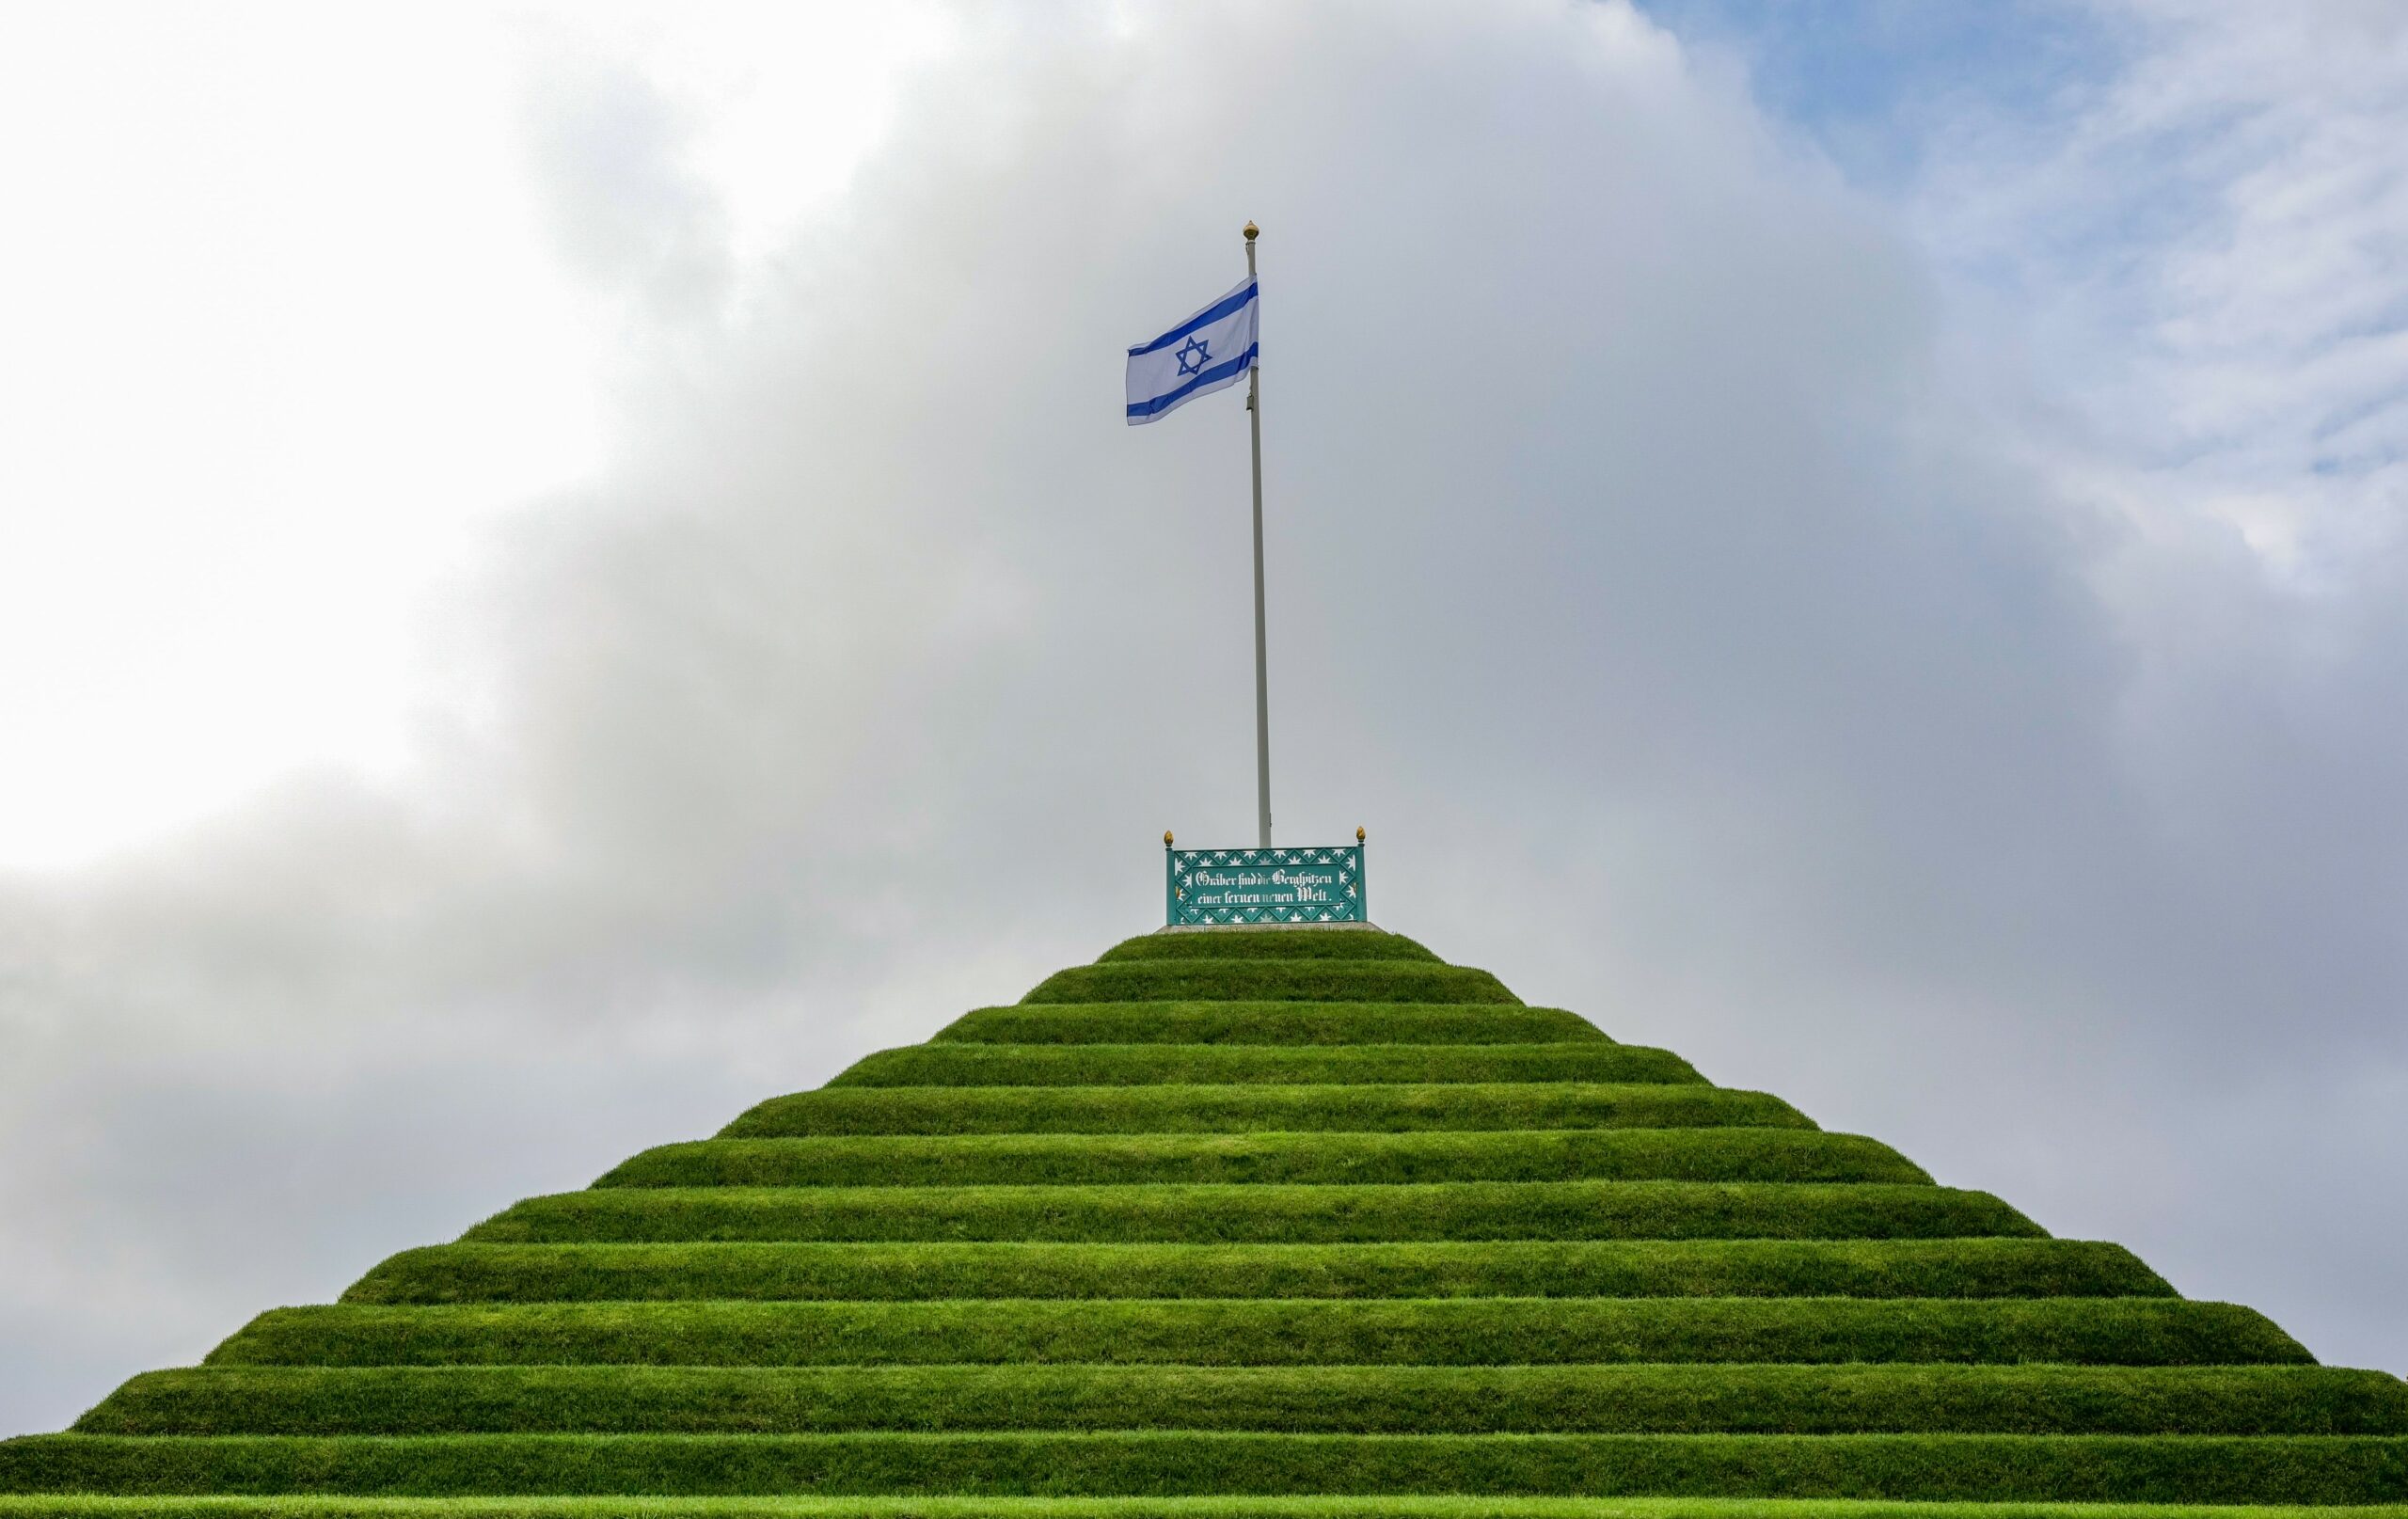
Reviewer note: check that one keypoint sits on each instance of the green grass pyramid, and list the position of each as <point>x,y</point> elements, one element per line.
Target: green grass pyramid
<point>1246,1225</point>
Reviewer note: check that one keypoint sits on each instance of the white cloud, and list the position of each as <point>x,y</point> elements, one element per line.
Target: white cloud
<point>2209,254</point>
<point>292,330</point>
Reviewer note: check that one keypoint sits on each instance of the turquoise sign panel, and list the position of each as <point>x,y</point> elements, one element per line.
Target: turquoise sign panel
<point>1239,886</point>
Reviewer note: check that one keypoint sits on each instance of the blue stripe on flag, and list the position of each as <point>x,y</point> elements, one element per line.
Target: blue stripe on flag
<point>1205,317</point>
<point>1219,371</point>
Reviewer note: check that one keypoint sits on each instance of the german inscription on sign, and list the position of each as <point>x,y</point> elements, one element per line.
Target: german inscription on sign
<point>1240,886</point>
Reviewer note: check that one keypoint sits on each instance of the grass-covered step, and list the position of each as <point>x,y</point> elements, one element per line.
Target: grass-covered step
<point>873,1505</point>
<point>1271,980</point>
<point>1152,1109</point>
<point>1258,1332</point>
<point>1268,1023</point>
<point>1180,1065</point>
<point>1137,1160</point>
<point>2198,1468</point>
<point>1338,1400</point>
<point>1652,1268</point>
<point>1248,1226</point>
<point>1265,1214</point>
<point>1270,945</point>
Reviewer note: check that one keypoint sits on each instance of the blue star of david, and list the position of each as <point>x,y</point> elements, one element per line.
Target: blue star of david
<point>1191,358</point>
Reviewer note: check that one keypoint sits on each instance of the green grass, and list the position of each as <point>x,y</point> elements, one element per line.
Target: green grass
<point>1258,1332</point>
<point>1264,1214</point>
<point>1268,1022</point>
<point>78,1506</point>
<point>1389,1159</point>
<point>1269,945</point>
<point>1274,980</point>
<point>902,1272</point>
<point>1340,1400</point>
<point>1181,1064</point>
<point>75,1506</point>
<point>1127,1110</point>
<point>2328,1469</point>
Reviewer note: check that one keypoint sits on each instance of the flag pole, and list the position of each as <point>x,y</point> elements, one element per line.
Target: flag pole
<point>1262,660</point>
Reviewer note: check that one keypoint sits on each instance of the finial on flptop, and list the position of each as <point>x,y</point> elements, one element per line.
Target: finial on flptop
<point>1358,835</point>
<point>1252,232</point>
<point>1166,838</point>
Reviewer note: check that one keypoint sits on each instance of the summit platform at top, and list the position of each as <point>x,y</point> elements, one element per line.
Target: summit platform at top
<point>1246,1223</point>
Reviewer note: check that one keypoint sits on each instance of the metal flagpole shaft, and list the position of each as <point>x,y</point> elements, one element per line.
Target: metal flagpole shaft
<point>1262,658</point>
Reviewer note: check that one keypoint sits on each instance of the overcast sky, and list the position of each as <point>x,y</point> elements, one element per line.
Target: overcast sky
<point>562,572</point>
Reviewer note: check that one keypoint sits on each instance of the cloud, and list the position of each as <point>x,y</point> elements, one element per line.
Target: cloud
<point>1703,645</point>
<point>2217,291</point>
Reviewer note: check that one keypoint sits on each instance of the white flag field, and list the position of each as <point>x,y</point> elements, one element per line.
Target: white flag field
<point>1210,349</point>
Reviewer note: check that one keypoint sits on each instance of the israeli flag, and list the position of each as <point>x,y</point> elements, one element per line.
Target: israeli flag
<point>1211,349</point>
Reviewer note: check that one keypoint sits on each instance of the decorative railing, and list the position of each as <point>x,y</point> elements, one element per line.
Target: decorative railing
<point>1231,887</point>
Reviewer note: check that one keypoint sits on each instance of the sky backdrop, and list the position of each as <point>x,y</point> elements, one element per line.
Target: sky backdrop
<point>563,570</point>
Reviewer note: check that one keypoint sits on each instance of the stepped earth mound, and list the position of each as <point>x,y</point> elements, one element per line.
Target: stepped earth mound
<point>1252,1224</point>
